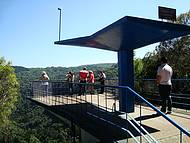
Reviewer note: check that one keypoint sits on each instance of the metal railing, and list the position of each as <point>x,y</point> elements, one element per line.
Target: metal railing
<point>181,129</point>
<point>180,92</point>
<point>148,89</point>
<point>89,100</point>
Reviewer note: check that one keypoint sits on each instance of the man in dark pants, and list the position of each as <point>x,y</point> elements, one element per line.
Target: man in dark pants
<point>102,78</point>
<point>163,80</point>
<point>70,79</point>
<point>83,74</point>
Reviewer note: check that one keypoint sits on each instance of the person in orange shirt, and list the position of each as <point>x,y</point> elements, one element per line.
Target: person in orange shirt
<point>91,81</point>
<point>83,74</point>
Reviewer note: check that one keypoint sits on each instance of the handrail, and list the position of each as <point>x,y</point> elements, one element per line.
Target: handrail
<point>153,107</point>
<point>174,79</point>
<point>136,128</point>
<point>116,126</point>
<point>153,139</point>
<point>153,79</point>
<point>162,114</point>
<point>150,105</point>
<point>180,92</point>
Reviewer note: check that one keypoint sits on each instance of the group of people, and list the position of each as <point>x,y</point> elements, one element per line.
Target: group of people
<point>163,80</point>
<point>86,76</point>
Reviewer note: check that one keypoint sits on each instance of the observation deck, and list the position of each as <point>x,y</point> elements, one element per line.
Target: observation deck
<point>99,115</point>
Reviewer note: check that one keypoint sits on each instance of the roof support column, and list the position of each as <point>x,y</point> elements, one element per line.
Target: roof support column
<point>126,78</point>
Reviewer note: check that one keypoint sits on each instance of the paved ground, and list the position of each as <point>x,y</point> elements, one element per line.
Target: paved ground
<point>166,133</point>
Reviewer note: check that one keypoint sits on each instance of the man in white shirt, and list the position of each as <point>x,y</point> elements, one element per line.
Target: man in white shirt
<point>163,80</point>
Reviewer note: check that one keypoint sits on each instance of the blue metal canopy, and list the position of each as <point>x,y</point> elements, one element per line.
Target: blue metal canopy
<point>132,32</point>
<point>124,36</point>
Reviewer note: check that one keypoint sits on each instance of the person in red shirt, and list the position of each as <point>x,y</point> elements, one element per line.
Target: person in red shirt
<point>91,77</point>
<point>83,74</point>
<point>91,81</point>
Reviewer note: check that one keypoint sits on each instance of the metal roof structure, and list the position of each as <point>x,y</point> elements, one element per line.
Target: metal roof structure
<point>129,33</point>
<point>123,36</point>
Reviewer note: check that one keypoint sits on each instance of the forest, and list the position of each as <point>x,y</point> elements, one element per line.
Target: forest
<point>23,122</point>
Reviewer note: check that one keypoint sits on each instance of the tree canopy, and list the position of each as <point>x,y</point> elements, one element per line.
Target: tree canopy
<point>177,51</point>
<point>9,95</point>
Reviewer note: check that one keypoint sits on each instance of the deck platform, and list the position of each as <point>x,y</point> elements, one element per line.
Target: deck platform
<point>104,107</point>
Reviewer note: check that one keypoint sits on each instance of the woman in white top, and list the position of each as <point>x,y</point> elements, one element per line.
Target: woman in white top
<point>44,77</point>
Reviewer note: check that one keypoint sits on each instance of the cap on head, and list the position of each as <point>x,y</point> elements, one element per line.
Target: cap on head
<point>84,68</point>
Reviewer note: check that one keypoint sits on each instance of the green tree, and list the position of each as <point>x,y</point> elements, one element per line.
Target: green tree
<point>9,95</point>
<point>138,67</point>
<point>150,64</point>
<point>31,122</point>
<point>176,50</point>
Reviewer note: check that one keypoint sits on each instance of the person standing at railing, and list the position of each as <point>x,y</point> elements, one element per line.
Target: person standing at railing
<point>163,80</point>
<point>70,79</point>
<point>83,74</point>
<point>102,78</point>
<point>91,81</point>
<point>44,77</point>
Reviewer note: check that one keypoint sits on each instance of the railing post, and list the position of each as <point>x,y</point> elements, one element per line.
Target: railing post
<point>126,117</point>
<point>127,125</point>
<point>115,101</point>
<point>140,123</point>
<point>91,98</point>
<point>106,99</point>
<point>181,140</point>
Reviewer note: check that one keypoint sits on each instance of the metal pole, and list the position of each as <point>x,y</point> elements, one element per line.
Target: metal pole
<point>181,137</point>
<point>59,23</point>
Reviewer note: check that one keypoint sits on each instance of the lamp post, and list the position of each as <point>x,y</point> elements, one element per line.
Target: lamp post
<point>59,23</point>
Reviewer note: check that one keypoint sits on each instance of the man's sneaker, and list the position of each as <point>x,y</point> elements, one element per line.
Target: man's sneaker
<point>169,112</point>
<point>164,111</point>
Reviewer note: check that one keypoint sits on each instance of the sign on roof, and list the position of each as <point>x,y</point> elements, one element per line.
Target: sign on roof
<point>167,13</point>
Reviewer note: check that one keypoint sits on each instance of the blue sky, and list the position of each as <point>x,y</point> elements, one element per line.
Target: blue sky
<point>28,28</point>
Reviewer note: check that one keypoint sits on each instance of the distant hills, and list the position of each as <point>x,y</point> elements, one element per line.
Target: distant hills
<point>25,75</point>
<point>58,73</point>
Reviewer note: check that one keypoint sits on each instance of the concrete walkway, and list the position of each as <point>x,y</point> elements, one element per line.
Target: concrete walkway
<point>166,132</point>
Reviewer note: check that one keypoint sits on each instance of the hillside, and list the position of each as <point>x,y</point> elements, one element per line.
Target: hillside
<point>58,73</point>
<point>27,75</point>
